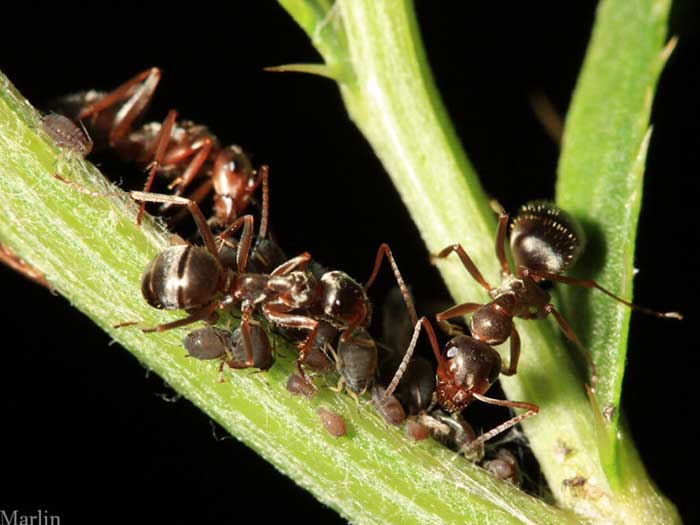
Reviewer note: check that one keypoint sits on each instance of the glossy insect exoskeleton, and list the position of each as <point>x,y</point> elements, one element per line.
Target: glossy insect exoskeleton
<point>545,242</point>
<point>453,431</point>
<point>216,343</point>
<point>182,151</point>
<point>504,466</point>
<point>193,278</point>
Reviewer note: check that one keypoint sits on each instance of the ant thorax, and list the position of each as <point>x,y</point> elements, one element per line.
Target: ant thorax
<point>526,295</point>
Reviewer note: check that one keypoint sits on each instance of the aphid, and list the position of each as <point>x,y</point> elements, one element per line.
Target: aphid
<point>388,407</point>
<point>417,431</point>
<point>67,134</point>
<point>453,431</point>
<point>504,466</point>
<point>357,361</point>
<point>545,241</point>
<point>180,150</point>
<point>300,386</point>
<point>216,343</point>
<point>334,423</point>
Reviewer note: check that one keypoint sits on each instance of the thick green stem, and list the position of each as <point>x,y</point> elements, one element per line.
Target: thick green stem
<point>92,252</point>
<point>389,92</point>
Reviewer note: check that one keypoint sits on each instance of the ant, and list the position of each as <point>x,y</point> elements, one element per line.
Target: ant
<point>545,241</point>
<point>193,278</point>
<point>180,150</point>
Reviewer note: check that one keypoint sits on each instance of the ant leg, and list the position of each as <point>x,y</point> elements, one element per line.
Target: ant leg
<point>514,353</point>
<point>192,206</point>
<point>137,92</point>
<point>265,214</point>
<point>588,283</point>
<point>200,315</point>
<point>295,321</point>
<point>571,335</point>
<point>531,408</point>
<point>12,260</point>
<point>452,312</point>
<point>200,148</point>
<point>198,195</point>
<point>385,251</point>
<point>466,261</point>
<point>162,142</point>
<point>422,322</point>
<point>300,261</point>
<point>243,251</point>
<point>247,342</point>
<point>501,244</point>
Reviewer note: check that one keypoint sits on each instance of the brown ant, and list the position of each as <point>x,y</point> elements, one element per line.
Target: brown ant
<point>192,278</point>
<point>179,150</point>
<point>545,241</point>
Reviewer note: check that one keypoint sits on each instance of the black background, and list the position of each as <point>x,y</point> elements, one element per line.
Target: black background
<point>86,430</point>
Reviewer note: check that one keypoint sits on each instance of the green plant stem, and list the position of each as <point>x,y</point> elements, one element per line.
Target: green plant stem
<point>93,254</point>
<point>389,93</point>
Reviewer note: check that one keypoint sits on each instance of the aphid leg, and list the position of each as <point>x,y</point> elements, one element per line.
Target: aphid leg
<point>514,353</point>
<point>452,312</point>
<point>137,92</point>
<point>531,408</point>
<point>422,322</point>
<point>501,244</point>
<point>162,142</point>
<point>466,261</point>
<point>571,335</point>
<point>385,251</point>
<point>588,283</point>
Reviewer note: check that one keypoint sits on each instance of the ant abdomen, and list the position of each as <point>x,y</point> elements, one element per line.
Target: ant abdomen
<point>545,237</point>
<point>181,277</point>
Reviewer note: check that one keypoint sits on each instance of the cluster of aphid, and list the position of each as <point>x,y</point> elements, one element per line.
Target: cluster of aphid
<point>326,312</point>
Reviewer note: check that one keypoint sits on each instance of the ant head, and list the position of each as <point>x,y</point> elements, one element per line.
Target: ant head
<point>345,302</point>
<point>468,366</point>
<point>493,322</point>
<point>181,277</point>
<point>545,237</point>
